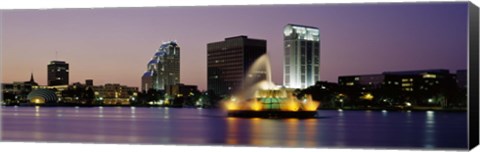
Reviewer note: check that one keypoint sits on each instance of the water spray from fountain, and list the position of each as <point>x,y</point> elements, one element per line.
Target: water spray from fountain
<point>259,93</point>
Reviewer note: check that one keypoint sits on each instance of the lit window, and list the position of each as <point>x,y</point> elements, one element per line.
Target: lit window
<point>429,76</point>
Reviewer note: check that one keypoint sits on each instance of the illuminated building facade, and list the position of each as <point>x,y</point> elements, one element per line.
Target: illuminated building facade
<point>229,61</point>
<point>365,82</point>
<point>179,90</point>
<point>421,80</point>
<point>180,94</point>
<point>42,96</point>
<point>302,56</point>
<point>406,81</point>
<point>115,94</point>
<point>57,73</point>
<point>17,91</point>
<point>433,87</point>
<point>164,68</point>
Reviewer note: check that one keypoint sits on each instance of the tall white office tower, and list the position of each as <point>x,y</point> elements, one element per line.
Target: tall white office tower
<point>302,56</point>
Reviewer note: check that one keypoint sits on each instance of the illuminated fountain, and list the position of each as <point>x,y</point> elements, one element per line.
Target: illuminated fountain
<point>262,98</point>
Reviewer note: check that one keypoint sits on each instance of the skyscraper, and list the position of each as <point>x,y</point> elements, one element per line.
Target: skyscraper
<point>164,68</point>
<point>302,56</point>
<point>229,61</point>
<point>57,73</point>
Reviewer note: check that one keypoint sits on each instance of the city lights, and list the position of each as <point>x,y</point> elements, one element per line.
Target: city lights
<point>314,76</point>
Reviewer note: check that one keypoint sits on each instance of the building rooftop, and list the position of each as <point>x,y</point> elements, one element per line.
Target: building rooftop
<point>416,72</point>
<point>304,26</point>
<point>57,62</point>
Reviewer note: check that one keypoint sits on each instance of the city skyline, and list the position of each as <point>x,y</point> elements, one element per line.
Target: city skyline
<point>118,41</point>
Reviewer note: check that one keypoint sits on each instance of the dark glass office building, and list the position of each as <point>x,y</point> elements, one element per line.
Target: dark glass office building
<point>57,73</point>
<point>229,61</point>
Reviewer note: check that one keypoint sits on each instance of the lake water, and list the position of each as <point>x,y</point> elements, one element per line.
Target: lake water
<point>359,129</point>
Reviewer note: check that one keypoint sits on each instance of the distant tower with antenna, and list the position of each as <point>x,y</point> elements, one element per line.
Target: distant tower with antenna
<point>57,73</point>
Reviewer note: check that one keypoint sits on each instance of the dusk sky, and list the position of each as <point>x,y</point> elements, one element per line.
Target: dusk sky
<point>114,45</point>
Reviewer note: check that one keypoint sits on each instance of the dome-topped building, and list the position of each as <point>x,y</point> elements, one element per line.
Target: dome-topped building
<point>164,67</point>
<point>42,96</point>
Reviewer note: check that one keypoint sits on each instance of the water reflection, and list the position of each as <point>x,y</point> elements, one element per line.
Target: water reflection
<point>340,131</point>
<point>384,113</point>
<point>132,113</point>
<point>207,126</point>
<point>311,132</point>
<point>166,114</point>
<point>429,129</point>
<point>292,132</point>
<point>100,112</point>
<point>37,111</point>
<point>256,130</point>
<point>232,131</point>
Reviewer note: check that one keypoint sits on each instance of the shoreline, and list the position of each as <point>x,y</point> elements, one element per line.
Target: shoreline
<point>320,109</point>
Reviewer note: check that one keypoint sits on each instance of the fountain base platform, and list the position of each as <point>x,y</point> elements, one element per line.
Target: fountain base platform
<point>272,114</point>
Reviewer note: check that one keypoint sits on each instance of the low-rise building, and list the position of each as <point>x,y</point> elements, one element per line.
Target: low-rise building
<point>115,94</point>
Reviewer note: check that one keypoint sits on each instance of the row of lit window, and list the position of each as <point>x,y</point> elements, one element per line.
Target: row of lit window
<point>407,80</point>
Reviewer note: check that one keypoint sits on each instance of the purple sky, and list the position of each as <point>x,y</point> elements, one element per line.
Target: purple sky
<point>113,45</point>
